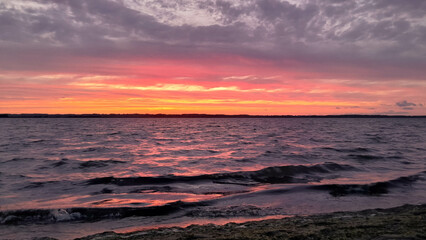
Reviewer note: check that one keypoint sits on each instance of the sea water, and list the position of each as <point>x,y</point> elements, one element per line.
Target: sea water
<point>69,177</point>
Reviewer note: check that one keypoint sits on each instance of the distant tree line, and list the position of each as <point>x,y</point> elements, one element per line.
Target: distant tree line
<point>95,115</point>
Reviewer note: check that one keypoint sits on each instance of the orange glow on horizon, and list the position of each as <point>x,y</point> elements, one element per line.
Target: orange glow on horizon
<point>170,88</point>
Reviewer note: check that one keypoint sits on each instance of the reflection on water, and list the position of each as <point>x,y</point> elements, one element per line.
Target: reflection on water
<point>177,166</point>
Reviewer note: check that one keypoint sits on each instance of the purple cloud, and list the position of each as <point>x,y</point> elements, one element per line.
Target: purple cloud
<point>406,105</point>
<point>382,39</point>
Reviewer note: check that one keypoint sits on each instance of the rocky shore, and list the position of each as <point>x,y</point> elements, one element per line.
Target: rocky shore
<point>405,222</point>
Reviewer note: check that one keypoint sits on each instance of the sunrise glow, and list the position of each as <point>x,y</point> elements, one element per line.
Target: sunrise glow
<point>228,57</point>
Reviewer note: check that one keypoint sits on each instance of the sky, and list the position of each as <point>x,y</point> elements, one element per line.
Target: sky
<point>265,57</point>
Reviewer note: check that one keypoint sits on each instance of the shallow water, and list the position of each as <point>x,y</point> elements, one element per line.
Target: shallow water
<point>69,175</point>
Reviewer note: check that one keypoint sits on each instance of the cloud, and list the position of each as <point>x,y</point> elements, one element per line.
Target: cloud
<point>376,39</point>
<point>172,87</point>
<point>404,103</point>
<point>317,50</point>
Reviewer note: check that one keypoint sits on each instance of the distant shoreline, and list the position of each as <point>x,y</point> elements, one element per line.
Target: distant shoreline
<point>36,115</point>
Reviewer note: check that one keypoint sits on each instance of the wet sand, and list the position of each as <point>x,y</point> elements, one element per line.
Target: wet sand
<point>405,222</point>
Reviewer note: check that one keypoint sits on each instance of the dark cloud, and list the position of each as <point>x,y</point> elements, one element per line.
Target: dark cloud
<point>382,39</point>
<point>404,103</point>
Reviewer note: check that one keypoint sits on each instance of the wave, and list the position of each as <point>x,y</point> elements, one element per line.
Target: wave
<point>365,157</point>
<point>348,150</point>
<point>63,161</point>
<point>38,184</point>
<point>114,133</point>
<point>45,216</point>
<point>100,163</point>
<point>18,159</point>
<point>277,174</point>
<point>376,188</point>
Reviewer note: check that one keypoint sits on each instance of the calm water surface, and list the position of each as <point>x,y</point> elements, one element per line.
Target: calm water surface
<point>66,178</point>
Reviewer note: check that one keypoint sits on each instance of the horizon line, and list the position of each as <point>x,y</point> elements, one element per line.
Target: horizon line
<point>195,115</point>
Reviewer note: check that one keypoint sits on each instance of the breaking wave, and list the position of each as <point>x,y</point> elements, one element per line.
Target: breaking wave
<point>376,188</point>
<point>44,216</point>
<point>277,174</point>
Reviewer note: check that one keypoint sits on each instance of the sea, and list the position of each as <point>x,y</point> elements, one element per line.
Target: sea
<point>70,177</point>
